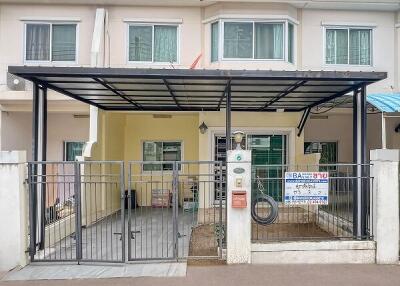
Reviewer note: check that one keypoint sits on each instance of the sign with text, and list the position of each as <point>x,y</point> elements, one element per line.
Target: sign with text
<point>306,188</point>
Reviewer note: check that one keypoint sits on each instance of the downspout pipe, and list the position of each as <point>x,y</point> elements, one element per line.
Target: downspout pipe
<point>97,59</point>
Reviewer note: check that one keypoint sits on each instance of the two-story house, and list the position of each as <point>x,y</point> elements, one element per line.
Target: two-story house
<point>158,77</point>
<point>267,35</point>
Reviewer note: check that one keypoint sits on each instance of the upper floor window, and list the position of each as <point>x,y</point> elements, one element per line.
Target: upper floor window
<point>348,46</point>
<point>253,40</point>
<point>214,41</point>
<point>49,42</point>
<point>153,43</point>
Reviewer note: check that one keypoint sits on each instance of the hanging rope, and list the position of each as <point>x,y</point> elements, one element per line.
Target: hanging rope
<point>261,197</point>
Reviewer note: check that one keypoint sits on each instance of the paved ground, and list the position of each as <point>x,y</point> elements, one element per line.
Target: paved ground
<point>324,275</point>
<point>151,237</point>
<point>92,271</point>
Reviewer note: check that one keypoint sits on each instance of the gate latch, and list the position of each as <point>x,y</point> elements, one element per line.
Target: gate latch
<point>133,232</point>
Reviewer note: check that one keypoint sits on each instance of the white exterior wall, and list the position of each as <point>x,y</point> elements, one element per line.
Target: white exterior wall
<point>13,210</point>
<point>244,11</point>
<point>312,52</point>
<point>16,132</point>
<point>314,252</point>
<point>194,39</point>
<point>338,127</point>
<point>189,33</point>
<point>385,225</point>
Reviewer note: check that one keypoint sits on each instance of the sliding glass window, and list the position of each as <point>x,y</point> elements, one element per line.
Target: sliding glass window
<point>268,41</point>
<point>348,46</point>
<point>48,42</point>
<point>254,40</point>
<point>214,41</point>
<point>153,43</point>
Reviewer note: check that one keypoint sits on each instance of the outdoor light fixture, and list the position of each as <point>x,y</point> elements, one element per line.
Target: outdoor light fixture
<point>238,137</point>
<point>203,128</point>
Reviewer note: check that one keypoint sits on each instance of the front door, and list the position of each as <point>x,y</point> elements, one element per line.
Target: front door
<point>267,150</point>
<point>269,155</point>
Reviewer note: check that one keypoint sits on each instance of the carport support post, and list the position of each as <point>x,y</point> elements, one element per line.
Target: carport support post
<point>228,126</point>
<point>361,183</point>
<point>39,151</point>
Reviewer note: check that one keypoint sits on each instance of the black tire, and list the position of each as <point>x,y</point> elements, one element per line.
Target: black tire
<point>274,209</point>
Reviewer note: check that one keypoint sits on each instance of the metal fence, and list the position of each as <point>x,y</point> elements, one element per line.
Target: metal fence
<point>173,210</point>
<point>300,222</point>
<point>80,211</point>
<point>75,211</point>
<point>86,211</point>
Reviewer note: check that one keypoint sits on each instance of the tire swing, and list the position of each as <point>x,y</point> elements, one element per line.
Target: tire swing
<point>264,198</point>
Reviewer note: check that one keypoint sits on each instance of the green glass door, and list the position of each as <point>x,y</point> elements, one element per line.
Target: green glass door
<point>269,154</point>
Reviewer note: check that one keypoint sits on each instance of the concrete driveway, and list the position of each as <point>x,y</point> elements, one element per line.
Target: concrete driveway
<point>241,275</point>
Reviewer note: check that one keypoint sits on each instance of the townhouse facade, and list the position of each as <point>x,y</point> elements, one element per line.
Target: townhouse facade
<point>137,127</point>
<point>266,35</point>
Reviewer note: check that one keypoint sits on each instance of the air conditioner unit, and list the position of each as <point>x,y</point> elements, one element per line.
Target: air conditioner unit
<point>15,83</point>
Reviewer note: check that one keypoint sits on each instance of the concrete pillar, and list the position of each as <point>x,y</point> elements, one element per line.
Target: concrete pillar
<point>385,171</point>
<point>13,210</point>
<point>238,219</point>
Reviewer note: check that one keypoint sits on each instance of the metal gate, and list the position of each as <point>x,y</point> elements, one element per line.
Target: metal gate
<point>173,212</point>
<point>75,211</point>
<point>78,211</point>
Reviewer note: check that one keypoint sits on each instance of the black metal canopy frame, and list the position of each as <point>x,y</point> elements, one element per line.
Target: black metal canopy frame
<point>197,90</point>
<point>125,89</point>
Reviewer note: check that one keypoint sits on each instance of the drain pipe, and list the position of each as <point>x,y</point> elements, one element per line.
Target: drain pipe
<point>96,60</point>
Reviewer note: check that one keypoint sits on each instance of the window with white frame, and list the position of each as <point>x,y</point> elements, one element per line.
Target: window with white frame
<point>50,42</point>
<point>328,151</point>
<point>73,149</point>
<point>161,151</point>
<point>348,46</point>
<point>259,40</point>
<point>214,41</point>
<point>153,43</point>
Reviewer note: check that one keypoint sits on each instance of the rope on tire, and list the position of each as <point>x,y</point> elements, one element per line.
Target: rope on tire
<point>263,198</point>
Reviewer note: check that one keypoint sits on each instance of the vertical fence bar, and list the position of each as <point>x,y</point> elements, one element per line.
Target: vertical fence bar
<point>78,215</point>
<point>174,210</point>
<point>122,186</point>
<point>32,211</point>
<point>222,226</point>
<point>128,197</point>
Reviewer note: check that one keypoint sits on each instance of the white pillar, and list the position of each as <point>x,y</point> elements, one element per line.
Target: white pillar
<point>13,210</point>
<point>385,171</point>
<point>238,219</point>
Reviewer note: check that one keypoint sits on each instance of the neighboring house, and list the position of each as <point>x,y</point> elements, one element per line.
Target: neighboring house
<point>338,35</point>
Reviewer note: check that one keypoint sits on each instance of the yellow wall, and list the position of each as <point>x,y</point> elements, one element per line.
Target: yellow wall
<point>121,137</point>
<point>101,193</point>
<point>144,127</point>
<point>258,122</point>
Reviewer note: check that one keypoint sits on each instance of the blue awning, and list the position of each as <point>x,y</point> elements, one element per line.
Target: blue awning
<point>385,102</point>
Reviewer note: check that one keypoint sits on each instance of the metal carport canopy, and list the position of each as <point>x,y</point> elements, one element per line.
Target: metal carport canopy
<point>197,90</point>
